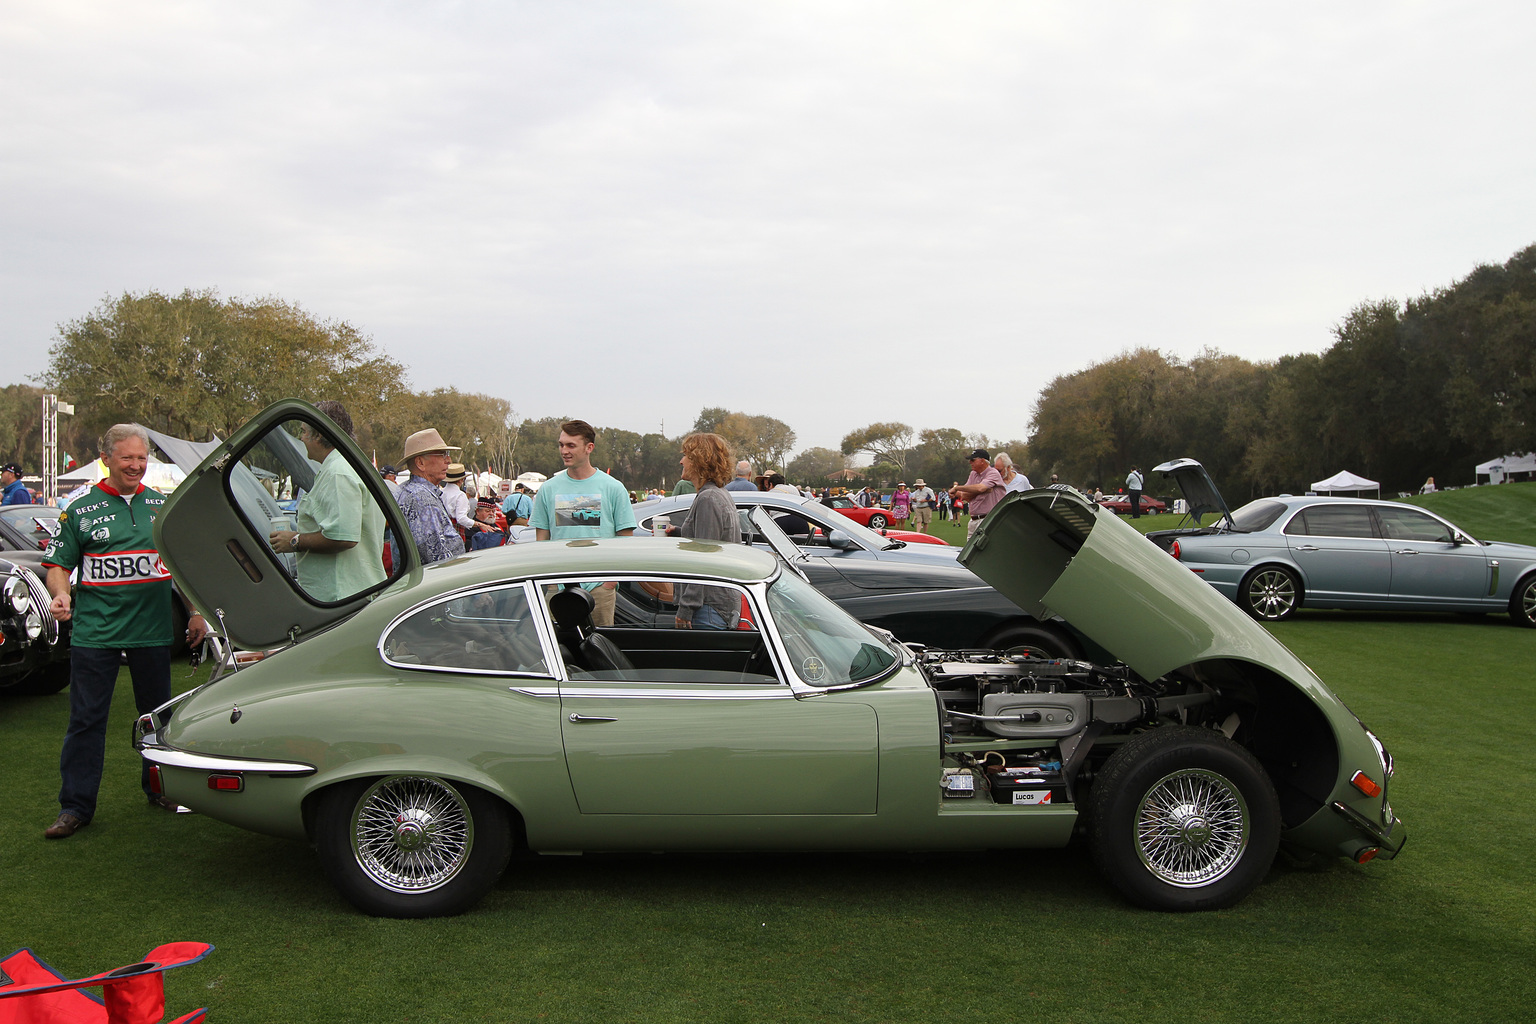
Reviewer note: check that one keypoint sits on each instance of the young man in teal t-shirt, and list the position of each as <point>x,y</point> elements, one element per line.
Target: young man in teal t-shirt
<point>581,502</point>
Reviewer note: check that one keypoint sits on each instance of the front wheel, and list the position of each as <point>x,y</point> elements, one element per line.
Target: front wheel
<point>1522,603</point>
<point>412,846</point>
<point>1036,640</point>
<point>1183,819</point>
<point>1270,594</point>
<point>43,682</point>
<point>878,522</point>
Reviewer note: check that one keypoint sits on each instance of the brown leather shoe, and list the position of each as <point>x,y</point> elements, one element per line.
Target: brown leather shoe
<point>165,804</point>
<point>66,826</point>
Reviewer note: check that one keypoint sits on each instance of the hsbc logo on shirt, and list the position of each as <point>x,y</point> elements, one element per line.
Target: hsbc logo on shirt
<point>122,567</point>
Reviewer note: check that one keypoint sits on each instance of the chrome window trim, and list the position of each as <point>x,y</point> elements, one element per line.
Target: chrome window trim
<point>648,691</point>
<point>540,627</point>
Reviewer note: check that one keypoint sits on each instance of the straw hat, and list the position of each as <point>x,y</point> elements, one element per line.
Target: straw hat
<point>455,471</point>
<point>428,440</point>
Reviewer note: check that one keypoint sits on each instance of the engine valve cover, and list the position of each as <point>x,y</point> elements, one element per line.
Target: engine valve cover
<point>1034,715</point>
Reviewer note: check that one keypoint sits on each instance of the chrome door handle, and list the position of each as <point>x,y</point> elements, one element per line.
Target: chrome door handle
<point>1405,551</point>
<point>590,718</point>
<point>1307,547</point>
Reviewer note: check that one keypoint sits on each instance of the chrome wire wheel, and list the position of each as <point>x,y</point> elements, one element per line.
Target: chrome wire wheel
<point>1271,594</point>
<point>1191,828</point>
<point>412,834</point>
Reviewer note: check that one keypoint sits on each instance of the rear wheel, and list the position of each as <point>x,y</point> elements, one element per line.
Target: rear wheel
<point>1270,593</point>
<point>877,522</point>
<point>1183,819</point>
<point>412,846</point>
<point>1522,603</point>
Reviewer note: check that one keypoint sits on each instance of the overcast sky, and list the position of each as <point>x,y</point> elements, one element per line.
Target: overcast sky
<point>829,212</point>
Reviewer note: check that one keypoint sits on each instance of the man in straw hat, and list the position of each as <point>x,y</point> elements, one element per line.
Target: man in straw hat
<point>421,497</point>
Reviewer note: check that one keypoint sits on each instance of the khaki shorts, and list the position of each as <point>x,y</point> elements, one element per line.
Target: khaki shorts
<point>603,599</point>
<point>922,516</point>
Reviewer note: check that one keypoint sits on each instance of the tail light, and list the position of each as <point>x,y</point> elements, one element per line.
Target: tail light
<point>1173,549</point>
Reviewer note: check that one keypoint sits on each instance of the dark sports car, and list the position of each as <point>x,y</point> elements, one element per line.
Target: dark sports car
<point>34,649</point>
<point>920,592</point>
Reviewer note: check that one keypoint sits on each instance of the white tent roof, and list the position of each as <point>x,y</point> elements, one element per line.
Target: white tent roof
<point>1344,480</point>
<point>1510,464</point>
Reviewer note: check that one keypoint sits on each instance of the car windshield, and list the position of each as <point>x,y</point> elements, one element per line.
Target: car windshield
<point>826,646</point>
<point>1256,515</point>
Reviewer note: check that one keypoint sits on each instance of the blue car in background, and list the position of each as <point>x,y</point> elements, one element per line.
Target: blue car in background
<point>1275,555</point>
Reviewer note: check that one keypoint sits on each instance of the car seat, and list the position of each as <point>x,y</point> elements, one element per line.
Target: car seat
<point>572,612</point>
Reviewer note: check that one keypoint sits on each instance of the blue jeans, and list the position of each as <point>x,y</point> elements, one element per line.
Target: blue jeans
<point>92,678</point>
<point>706,617</point>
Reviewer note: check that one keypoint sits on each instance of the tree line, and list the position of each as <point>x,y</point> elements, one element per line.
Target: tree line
<point>1430,387</point>
<point>1427,387</point>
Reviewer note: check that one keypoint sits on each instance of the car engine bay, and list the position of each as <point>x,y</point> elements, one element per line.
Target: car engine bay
<point>1028,730</point>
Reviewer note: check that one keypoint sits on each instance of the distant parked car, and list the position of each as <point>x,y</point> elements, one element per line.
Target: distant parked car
<point>875,518</point>
<point>1120,504</point>
<point>1275,555</point>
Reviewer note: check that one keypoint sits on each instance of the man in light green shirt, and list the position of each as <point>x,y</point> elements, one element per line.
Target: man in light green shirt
<point>340,539</point>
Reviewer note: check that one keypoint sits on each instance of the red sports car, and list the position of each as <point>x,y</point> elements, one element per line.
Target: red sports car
<point>878,519</point>
<point>1120,504</point>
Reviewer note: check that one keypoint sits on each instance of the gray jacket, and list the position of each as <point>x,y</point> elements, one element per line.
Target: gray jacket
<point>713,516</point>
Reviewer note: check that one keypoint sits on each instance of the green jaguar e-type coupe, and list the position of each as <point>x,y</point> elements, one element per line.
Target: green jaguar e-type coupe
<point>419,730</point>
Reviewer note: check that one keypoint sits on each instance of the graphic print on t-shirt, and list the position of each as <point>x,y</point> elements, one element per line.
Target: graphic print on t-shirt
<point>579,509</point>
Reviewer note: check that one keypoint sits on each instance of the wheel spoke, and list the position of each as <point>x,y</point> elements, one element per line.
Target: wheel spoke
<point>412,834</point>
<point>1192,828</point>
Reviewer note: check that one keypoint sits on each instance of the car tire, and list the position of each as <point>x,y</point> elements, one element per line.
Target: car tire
<point>1271,593</point>
<point>42,682</point>
<point>878,522</point>
<point>1522,603</point>
<point>1038,640</point>
<point>410,845</point>
<point>1181,818</point>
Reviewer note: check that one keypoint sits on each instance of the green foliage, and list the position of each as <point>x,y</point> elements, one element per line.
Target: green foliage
<point>888,444</point>
<point>194,364</point>
<point>1426,388</point>
<point>21,426</point>
<point>815,466</point>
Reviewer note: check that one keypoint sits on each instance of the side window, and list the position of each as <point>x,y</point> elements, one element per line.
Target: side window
<point>294,481</point>
<point>1411,524</point>
<point>488,631</point>
<point>653,604</point>
<point>1333,521</point>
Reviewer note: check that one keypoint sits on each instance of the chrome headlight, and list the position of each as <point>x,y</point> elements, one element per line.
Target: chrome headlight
<point>34,624</point>
<point>18,596</point>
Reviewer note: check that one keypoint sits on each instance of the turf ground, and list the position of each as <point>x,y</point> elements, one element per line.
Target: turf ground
<point>1447,932</point>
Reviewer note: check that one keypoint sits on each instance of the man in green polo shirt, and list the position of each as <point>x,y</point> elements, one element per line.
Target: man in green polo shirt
<point>122,606</point>
<point>340,539</point>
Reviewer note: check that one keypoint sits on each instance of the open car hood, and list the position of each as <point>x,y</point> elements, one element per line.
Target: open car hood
<point>213,531</point>
<point>1198,487</point>
<point>1053,552</point>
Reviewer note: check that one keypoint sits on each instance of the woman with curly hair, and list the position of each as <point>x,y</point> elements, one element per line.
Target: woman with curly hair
<point>707,464</point>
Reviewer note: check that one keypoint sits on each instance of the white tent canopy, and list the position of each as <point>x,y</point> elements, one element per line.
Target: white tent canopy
<point>1500,469</point>
<point>1344,480</point>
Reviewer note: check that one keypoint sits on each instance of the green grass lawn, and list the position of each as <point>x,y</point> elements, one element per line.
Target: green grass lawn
<point>1447,932</point>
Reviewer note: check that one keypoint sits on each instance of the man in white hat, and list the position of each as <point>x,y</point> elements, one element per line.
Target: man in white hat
<point>421,497</point>
<point>922,505</point>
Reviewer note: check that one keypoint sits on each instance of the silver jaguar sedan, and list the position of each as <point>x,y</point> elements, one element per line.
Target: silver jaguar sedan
<point>1275,555</point>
